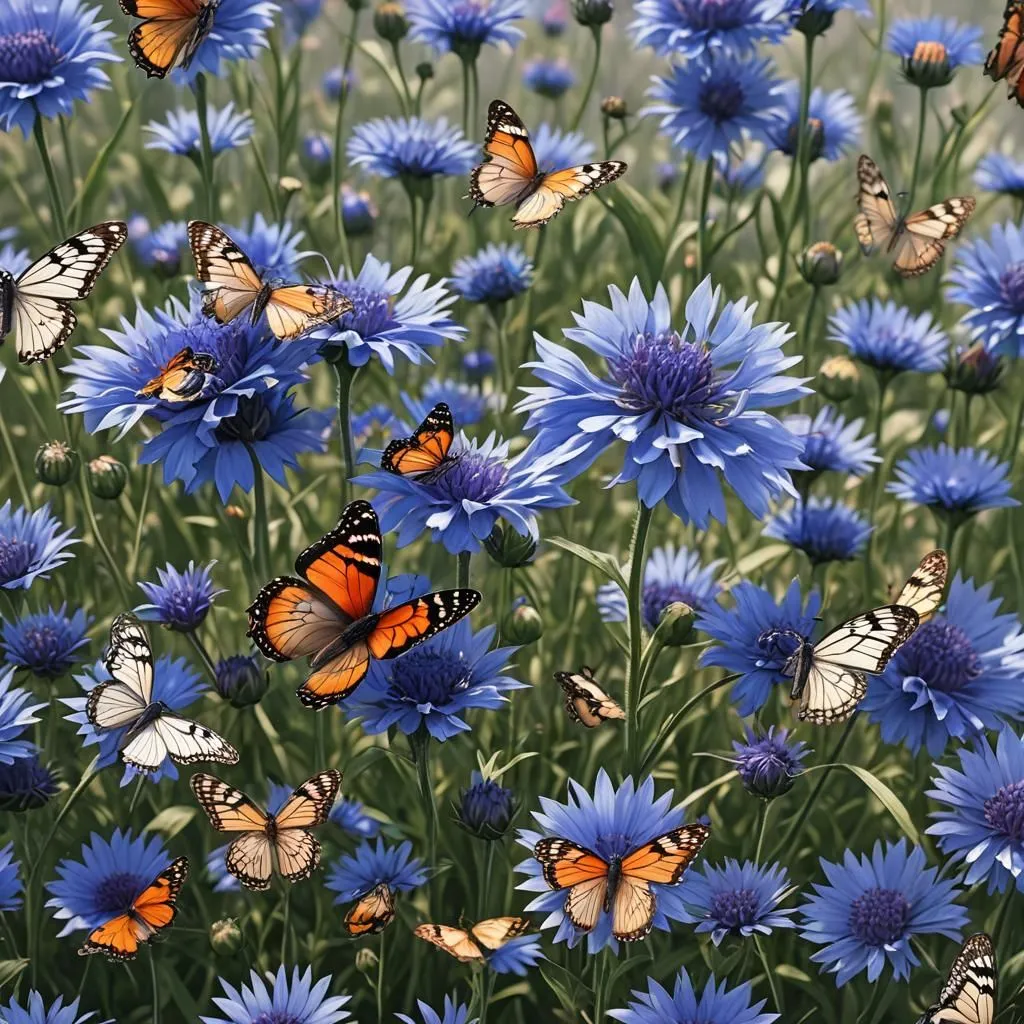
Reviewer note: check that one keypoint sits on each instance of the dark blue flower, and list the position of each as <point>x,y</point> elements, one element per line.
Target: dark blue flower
<point>468,404</point>
<point>769,763</point>
<point>516,956</point>
<point>747,642</point>
<point>889,338</point>
<point>356,874</point>
<point>834,123</point>
<point>376,420</point>
<point>273,249</point>
<point>737,899</point>
<point>555,148</point>
<point>350,816</point>
<point>717,1004</point>
<point>689,403</point>
<point>26,785</point>
<point>162,247</point>
<point>242,679</point>
<point>498,272</point>
<point>871,909</point>
<point>464,26</point>
<point>709,106</point>
<point>824,529</point>
<point>549,78</point>
<point>16,715</point>
<point>239,32</point>
<point>295,1000</point>
<point>229,129</point>
<point>961,43</point>
<point>962,672</point>
<point>410,147</point>
<point>10,883</point>
<point>180,600</point>
<point>831,445</point>
<point>32,545</point>
<point>612,823</point>
<point>998,172</point>
<point>51,52</point>
<point>981,824</point>
<point>485,808</point>
<point>35,1011</point>
<point>45,642</point>
<point>336,80</point>
<point>358,212</point>
<point>452,1013</point>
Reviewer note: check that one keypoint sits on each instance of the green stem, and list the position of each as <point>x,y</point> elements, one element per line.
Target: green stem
<point>474,81</point>
<point>949,528</point>
<point>380,977</point>
<point>806,345</point>
<point>591,81</point>
<point>876,485</point>
<point>140,521</point>
<point>762,830</point>
<point>115,569</point>
<point>768,973</point>
<point>56,199</point>
<point>286,917</point>
<point>465,98</point>
<point>397,54</point>
<point>1001,918</point>
<point>204,656</point>
<point>339,124</point>
<point>346,375</point>
<point>12,454</point>
<point>486,992</point>
<point>922,118</point>
<point>155,985</point>
<point>205,147</point>
<point>462,569</point>
<point>702,220</point>
<point>260,519</point>
<point>634,605</point>
<point>414,234</point>
<point>420,743</point>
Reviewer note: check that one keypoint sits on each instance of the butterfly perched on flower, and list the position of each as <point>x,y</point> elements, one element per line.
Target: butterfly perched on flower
<point>283,839</point>
<point>170,33</point>
<point>1006,58</point>
<point>969,994</point>
<point>427,450</point>
<point>153,732</point>
<point>585,701</point>
<point>927,583</point>
<point>480,940</point>
<point>182,378</point>
<point>150,913</point>
<point>35,304</point>
<point>510,173</point>
<point>234,286</point>
<point>915,242</point>
<point>327,614</point>
<point>620,887</point>
<point>372,912</point>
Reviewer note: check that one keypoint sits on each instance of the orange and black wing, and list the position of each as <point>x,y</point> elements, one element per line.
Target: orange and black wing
<point>586,703</point>
<point>569,866</point>
<point>509,171</point>
<point>371,913</point>
<point>298,308</point>
<point>181,378</point>
<point>170,33</point>
<point>554,190</point>
<point>1006,59</point>
<point>427,449</point>
<point>665,859</point>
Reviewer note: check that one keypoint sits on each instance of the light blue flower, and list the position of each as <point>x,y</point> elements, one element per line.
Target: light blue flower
<point>295,1000</point>
<point>229,129</point>
<point>32,545</point>
<point>410,147</point>
<point>717,1004</point>
<point>16,715</point>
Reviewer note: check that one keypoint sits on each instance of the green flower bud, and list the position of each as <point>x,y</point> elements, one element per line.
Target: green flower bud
<point>593,13</point>
<point>366,962</point>
<point>508,549</point>
<point>56,464</point>
<point>820,264</point>
<point>106,477</point>
<point>928,66</point>
<point>614,107</point>
<point>523,625</point>
<point>838,378</point>
<point>975,371</point>
<point>815,22</point>
<point>425,71</point>
<point>675,624</point>
<point>225,937</point>
<point>390,22</point>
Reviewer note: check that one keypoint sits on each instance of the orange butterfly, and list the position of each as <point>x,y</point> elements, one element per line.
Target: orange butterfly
<point>372,912</point>
<point>171,33</point>
<point>150,913</point>
<point>427,450</point>
<point>586,703</point>
<point>1006,59</point>
<point>327,615</point>
<point>182,378</point>
<point>620,887</point>
<point>473,945</point>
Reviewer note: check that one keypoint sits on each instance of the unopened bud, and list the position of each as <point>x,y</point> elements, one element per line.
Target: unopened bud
<point>106,477</point>
<point>241,680</point>
<point>614,107</point>
<point>523,625</point>
<point>675,624</point>
<point>508,548</point>
<point>425,71</point>
<point>820,264</point>
<point>56,464</point>
<point>593,13</point>
<point>928,66</point>
<point>839,378</point>
<point>975,371</point>
<point>390,22</point>
<point>366,962</point>
<point>225,937</point>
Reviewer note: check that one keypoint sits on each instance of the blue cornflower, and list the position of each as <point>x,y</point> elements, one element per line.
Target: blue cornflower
<point>229,129</point>
<point>316,154</point>
<point>745,638</point>
<point>32,545</point>
<point>468,404</point>
<point>872,908</point>
<point>272,248</point>
<point>982,823</point>
<point>410,147</point>
<point>485,807</point>
<point>300,14</point>
<point>174,684</point>
<point>549,78</point>
<point>161,248</point>
<point>860,7</point>
<point>833,123</point>
<point>239,32</point>
<point>555,148</point>
<point>180,600</point>
<point>696,28</point>
<point>462,27</point>
<point>831,445</point>
<point>386,322</point>
<point>478,364</point>
<point>105,882</point>
<point>35,1011</point>
<point>336,80</point>
<point>13,259</point>
<point>350,816</point>
<point>954,482</point>
<point>961,43</point>
<point>516,956</point>
<point>45,642</point>
<point>769,763</point>
<point>612,823</point>
<point>690,403</point>
<point>707,107</point>
<point>295,1000</point>
<point>461,505</point>
<point>452,1013</point>
<point>734,177</point>
<point>355,874</point>
<point>824,529</point>
<point>50,56</point>
<point>26,785</point>
<point>717,1004</point>
<point>998,172</point>
<point>670,575</point>
<point>737,899</point>
<point>962,672</point>
<point>358,212</point>
<point>435,684</point>
<point>889,338</point>
<point>16,715</point>
<point>988,278</point>
<point>498,272</point>
<point>10,883</point>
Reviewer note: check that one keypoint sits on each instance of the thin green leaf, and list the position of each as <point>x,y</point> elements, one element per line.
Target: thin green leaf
<point>605,563</point>
<point>888,799</point>
<point>82,203</point>
<point>172,820</point>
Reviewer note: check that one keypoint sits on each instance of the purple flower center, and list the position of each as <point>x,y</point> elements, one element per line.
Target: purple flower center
<point>115,893</point>
<point>879,917</point>
<point>735,908</point>
<point>473,477</point>
<point>251,423</point>
<point>429,676</point>
<point>1011,285</point>
<point>496,283</point>
<point>372,313</point>
<point>43,646</point>
<point>278,1017</point>
<point>28,57</point>
<point>16,555</point>
<point>658,596</point>
<point>714,14</point>
<point>663,372</point>
<point>942,655</point>
<point>1005,811</point>
<point>468,23</point>
<point>721,99</point>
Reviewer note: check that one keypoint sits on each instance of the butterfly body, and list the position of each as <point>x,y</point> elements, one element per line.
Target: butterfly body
<point>170,33</point>
<point>1006,58</point>
<point>428,450</point>
<point>182,378</point>
<point>6,303</point>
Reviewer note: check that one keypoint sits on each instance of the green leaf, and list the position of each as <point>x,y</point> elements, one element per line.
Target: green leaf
<point>888,799</point>
<point>722,780</point>
<point>605,563</point>
<point>792,973</point>
<point>172,820</point>
<point>10,969</point>
<point>637,217</point>
<point>96,175</point>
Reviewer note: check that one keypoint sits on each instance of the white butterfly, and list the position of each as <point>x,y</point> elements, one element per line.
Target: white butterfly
<point>915,242</point>
<point>35,304</point>
<point>969,995</point>
<point>154,731</point>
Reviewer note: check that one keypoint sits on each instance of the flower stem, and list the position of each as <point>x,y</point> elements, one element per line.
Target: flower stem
<point>702,220</point>
<point>462,569</point>
<point>768,973</point>
<point>339,124</point>
<point>876,486</point>
<point>205,147</point>
<point>12,454</point>
<point>260,519</point>
<point>419,741</point>
<point>380,978</point>
<point>591,81</point>
<point>922,117</point>
<point>414,234</point>
<point>761,831</point>
<point>154,981</point>
<point>346,374</point>
<point>486,992</point>
<point>56,199</point>
<point>115,569</point>
<point>634,605</point>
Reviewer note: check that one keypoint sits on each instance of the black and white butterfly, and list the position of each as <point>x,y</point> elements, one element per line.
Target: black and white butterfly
<point>923,591</point>
<point>154,732</point>
<point>586,702</point>
<point>35,304</point>
<point>969,994</point>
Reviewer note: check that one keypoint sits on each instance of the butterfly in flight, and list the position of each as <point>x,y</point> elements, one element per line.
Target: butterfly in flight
<point>234,286</point>
<point>153,731</point>
<point>923,592</point>
<point>620,887</point>
<point>915,242</point>
<point>510,173</point>
<point>35,304</point>
<point>170,33</point>
<point>585,702</point>
<point>478,942</point>
<point>327,614</point>
<point>182,378</point>
<point>372,912</point>
<point>969,994</point>
<point>427,451</point>
<point>1006,59</point>
<point>149,914</point>
<point>283,838</point>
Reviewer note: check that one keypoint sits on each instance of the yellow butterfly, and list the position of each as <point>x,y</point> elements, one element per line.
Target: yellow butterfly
<point>474,944</point>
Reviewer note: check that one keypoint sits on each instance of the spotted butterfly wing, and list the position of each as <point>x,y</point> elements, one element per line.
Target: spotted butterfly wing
<point>181,379</point>
<point>371,913</point>
<point>427,450</point>
<point>170,33</point>
<point>1006,59</point>
<point>586,703</point>
<point>969,994</point>
<point>474,945</point>
<point>923,591</point>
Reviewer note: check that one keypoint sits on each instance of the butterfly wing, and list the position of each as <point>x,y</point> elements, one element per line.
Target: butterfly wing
<point>569,866</point>
<point>496,931</point>
<point>969,994</point>
<point>878,221</point>
<point>831,694</point>
<point>509,171</point>
<point>1006,59</point>
<point>311,803</point>
<point>560,187</point>
<point>181,379</point>
<point>232,281</point>
<point>228,808</point>
<point>922,243</point>
<point>296,309</point>
<point>129,660</point>
<point>427,449</point>
<point>371,913</point>
<point>298,854</point>
<point>171,30</point>
<point>289,619</point>
<point>585,701</point>
<point>454,941</point>
<point>184,740</point>
<point>923,591</point>
<point>250,860</point>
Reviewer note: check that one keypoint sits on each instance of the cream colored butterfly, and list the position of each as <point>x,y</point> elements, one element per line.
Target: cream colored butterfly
<point>923,591</point>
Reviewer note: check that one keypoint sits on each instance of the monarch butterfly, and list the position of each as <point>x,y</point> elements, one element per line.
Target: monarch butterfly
<point>427,450</point>
<point>283,837</point>
<point>235,286</point>
<point>182,378</point>
<point>923,591</point>
<point>1006,59</point>
<point>327,614</point>
<point>969,994</point>
<point>372,912</point>
<point>171,32</point>
<point>585,702</point>
<point>149,914</point>
<point>477,943</point>
<point>510,173</point>
<point>622,886</point>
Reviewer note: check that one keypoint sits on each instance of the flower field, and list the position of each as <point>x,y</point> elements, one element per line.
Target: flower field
<point>509,511</point>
